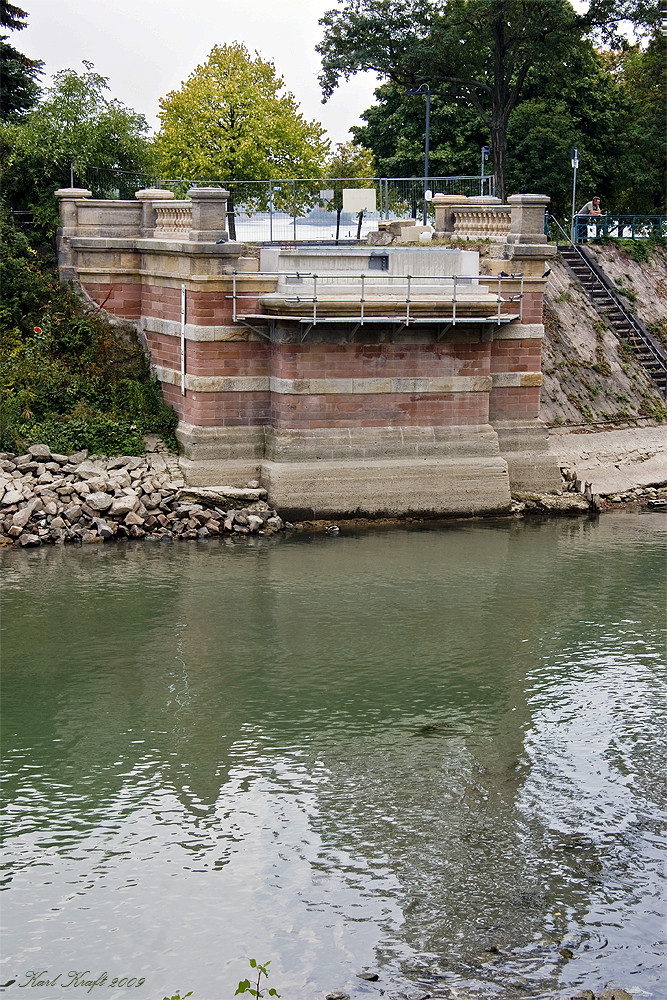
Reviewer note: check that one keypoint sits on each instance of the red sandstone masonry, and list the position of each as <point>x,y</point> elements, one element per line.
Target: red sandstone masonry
<point>520,403</point>
<point>516,356</point>
<point>379,361</point>
<point>219,409</point>
<point>390,409</point>
<point>122,299</point>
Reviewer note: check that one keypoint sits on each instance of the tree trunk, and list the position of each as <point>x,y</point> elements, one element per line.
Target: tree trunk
<point>499,144</point>
<point>338,212</point>
<point>498,111</point>
<point>361,215</point>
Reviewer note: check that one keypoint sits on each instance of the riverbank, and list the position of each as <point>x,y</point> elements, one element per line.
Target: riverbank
<point>614,460</point>
<point>47,498</point>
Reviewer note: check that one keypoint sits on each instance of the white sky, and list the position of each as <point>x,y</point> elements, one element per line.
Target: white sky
<point>148,47</point>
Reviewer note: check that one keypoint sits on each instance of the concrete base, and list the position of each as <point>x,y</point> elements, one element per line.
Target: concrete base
<point>215,444</point>
<point>207,474</point>
<point>373,472</point>
<point>388,488</point>
<point>348,472</point>
<point>525,448</point>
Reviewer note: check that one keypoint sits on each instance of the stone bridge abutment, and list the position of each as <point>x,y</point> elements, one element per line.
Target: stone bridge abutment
<point>362,381</point>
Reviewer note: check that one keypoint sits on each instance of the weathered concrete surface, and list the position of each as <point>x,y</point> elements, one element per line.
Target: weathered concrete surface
<point>613,460</point>
<point>462,487</point>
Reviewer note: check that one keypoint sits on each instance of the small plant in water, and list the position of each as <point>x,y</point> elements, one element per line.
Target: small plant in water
<point>177,996</point>
<point>245,986</point>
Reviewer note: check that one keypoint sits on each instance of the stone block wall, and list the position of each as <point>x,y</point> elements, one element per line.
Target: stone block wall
<point>377,419</point>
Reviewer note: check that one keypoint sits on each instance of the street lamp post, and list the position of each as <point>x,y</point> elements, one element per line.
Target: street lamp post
<point>574,159</point>
<point>485,154</point>
<point>425,88</point>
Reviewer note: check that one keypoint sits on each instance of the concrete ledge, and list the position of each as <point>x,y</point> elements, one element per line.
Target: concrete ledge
<point>519,331</point>
<point>456,487</point>
<point>513,380</point>
<point>221,444</point>
<point>613,460</point>
<point>525,448</point>
<point>196,333</point>
<point>381,443</point>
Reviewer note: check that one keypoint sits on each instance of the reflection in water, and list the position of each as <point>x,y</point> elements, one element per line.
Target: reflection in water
<point>431,752</point>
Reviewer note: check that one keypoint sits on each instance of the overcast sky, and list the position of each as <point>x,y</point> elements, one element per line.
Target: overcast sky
<point>148,47</point>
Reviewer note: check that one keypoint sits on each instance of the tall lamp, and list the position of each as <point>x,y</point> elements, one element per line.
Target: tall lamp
<point>485,156</point>
<point>574,159</point>
<point>424,89</point>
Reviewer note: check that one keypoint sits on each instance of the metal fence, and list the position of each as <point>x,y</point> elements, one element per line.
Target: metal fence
<point>295,209</point>
<point>629,227</point>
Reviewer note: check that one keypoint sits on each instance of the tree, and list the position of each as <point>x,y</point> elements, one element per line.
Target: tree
<point>394,131</point>
<point>475,51</point>
<point>580,107</point>
<point>639,183</point>
<point>230,121</point>
<point>19,87</point>
<point>350,165</point>
<point>75,123</point>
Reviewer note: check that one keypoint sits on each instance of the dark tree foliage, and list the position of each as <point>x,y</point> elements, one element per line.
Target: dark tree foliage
<point>477,52</point>
<point>19,88</point>
<point>394,131</point>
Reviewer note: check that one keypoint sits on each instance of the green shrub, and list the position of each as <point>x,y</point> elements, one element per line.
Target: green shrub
<point>70,379</point>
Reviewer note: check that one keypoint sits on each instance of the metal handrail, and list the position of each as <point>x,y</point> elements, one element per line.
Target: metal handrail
<point>613,226</point>
<point>379,279</point>
<point>595,279</point>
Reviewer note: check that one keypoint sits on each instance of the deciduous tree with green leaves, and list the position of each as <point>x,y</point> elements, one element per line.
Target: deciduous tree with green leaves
<point>75,122</point>
<point>479,52</point>
<point>231,120</point>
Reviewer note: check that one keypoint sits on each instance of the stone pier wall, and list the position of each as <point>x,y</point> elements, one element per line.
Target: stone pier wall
<point>384,418</point>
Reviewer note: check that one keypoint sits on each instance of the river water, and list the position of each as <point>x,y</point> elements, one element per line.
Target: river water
<point>436,754</point>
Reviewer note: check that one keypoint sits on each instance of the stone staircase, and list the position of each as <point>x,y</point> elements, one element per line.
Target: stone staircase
<point>648,351</point>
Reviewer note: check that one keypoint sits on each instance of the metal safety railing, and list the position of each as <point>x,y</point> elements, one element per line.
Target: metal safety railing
<point>294,208</point>
<point>408,296</point>
<point>627,227</point>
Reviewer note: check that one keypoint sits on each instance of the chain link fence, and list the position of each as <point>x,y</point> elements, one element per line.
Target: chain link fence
<point>296,209</point>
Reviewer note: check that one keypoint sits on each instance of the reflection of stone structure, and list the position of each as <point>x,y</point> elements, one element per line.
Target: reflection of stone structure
<point>369,381</point>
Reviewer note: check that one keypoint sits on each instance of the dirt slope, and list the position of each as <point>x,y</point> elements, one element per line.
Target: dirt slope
<point>590,376</point>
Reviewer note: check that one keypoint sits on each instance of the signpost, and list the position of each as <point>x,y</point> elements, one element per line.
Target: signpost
<point>574,159</point>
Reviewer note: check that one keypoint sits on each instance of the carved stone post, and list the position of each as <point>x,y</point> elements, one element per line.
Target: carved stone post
<point>444,215</point>
<point>67,199</point>
<point>148,212</point>
<point>527,220</point>
<point>209,213</point>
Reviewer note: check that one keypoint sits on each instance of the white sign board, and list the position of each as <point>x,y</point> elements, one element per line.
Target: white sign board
<point>355,200</point>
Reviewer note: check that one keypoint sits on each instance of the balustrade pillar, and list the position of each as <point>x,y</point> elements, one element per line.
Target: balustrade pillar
<point>69,218</point>
<point>148,210</point>
<point>527,222</point>
<point>209,214</point>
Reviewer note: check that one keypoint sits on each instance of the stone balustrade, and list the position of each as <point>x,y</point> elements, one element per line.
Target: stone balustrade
<point>482,222</point>
<point>154,214</point>
<point>173,218</point>
<point>471,218</point>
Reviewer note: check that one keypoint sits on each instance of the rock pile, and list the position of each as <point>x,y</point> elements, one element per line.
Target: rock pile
<point>47,498</point>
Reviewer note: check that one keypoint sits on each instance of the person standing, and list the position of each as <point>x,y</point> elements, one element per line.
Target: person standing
<point>591,208</point>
